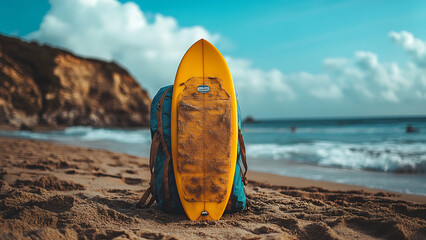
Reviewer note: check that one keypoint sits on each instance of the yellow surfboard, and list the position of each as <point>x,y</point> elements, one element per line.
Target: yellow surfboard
<point>204,131</point>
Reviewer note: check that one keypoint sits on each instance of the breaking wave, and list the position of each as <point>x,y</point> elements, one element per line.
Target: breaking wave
<point>87,134</point>
<point>384,157</point>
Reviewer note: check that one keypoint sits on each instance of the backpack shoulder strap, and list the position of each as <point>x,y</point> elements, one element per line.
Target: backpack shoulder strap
<point>165,150</point>
<point>143,202</point>
<point>156,141</point>
<point>243,156</point>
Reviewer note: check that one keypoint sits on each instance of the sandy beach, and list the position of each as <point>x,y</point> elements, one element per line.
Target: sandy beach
<point>53,191</point>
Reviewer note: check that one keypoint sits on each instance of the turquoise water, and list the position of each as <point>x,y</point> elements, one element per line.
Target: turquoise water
<point>375,152</point>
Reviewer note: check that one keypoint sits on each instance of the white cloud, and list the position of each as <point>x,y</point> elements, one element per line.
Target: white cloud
<point>390,96</point>
<point>111,30</point>
<point>152,49</point>
<point>333,92</point>
<point>334,64</point>
<point>366,60</point>
<point>413,46</point>
<point>256,81</point>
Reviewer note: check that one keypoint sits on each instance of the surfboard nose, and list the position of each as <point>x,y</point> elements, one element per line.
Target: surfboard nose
<point>203,41</point>
<point>204,44</point>
<point>198,44</point>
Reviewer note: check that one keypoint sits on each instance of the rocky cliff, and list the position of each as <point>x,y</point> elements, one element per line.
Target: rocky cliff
<point>40,85</point>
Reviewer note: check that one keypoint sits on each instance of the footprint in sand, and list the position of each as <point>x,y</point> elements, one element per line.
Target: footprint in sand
<point>50,183</point>
<point>132,181</point>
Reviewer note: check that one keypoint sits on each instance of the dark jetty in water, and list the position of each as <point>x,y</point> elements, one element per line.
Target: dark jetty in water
<point>249,119</point>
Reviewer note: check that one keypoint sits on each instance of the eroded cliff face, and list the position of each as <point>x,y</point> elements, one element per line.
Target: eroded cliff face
<point>40,85</point>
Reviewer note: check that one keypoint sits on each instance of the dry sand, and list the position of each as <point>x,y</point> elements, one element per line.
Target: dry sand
<point>52,191</point>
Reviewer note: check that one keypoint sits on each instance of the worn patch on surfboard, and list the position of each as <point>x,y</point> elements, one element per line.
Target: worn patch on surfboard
<point>204,137</point>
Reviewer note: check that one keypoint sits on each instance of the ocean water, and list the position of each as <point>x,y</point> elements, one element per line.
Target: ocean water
<point>375,152</point>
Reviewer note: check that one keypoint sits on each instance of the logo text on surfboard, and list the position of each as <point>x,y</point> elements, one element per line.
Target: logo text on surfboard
<point>203,89</point>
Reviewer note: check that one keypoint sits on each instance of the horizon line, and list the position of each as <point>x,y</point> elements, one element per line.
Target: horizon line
<point>337,117</point>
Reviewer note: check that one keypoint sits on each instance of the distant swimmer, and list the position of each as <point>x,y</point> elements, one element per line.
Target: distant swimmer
<point>410,129</point>
<point>293,128</point>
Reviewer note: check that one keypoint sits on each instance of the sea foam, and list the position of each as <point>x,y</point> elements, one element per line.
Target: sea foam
<point>386,157</point>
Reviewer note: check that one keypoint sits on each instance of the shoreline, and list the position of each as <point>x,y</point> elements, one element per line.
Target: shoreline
<point>46,128</point>
<point>274,179</point>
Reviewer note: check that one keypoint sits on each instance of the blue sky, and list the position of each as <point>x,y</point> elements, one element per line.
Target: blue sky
<point>298,35</point>
<point>319,58</point>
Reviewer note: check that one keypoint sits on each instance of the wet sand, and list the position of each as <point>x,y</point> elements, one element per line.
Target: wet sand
<point>330,186</point>
<point>53,191</point>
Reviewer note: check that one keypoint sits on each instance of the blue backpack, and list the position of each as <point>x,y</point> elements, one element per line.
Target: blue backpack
<point>162,186</point>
